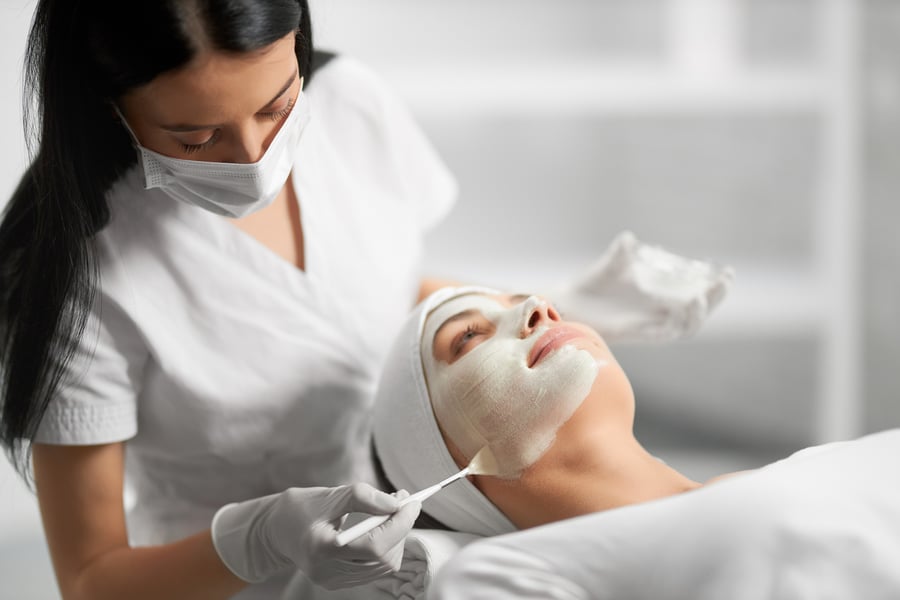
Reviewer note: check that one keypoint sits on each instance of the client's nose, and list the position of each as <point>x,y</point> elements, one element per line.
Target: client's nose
<point>537,312</point>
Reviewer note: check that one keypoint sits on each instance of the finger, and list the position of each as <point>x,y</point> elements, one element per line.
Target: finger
<point>362,497</point>
<point>394,557</point>
<point>337,523</point>
<point>392,532</point>
<point>720,289</point>
<point>353,574</point>
<point>693,316</point>
<point>361,578</point>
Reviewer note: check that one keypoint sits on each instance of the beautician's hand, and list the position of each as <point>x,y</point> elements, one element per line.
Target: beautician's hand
<point>637,292</point>
<point>296,529</point>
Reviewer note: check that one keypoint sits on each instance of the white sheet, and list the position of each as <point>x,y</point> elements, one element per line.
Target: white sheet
<point>821,524</point>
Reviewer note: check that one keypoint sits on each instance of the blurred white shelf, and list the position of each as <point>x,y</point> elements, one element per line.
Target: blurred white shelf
<point>769,302</point>
<point>20,516</point>
<point>591,88</point>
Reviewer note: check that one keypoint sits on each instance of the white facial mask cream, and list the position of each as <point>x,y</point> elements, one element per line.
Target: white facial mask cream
<point>490,396</point>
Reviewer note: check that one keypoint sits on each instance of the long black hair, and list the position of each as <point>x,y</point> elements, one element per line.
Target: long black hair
<point>81,56</point>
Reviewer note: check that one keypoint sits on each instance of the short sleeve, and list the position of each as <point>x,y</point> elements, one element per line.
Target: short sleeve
<point>96,402</point>
<point>378,133</point>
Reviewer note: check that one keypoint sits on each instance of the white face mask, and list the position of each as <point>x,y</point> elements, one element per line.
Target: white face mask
<point>490,396</point>
<point>228,189</point>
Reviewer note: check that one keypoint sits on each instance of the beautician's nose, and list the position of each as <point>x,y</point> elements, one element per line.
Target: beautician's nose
<point>251,143</point>
<point>247,150</point>
<point>538,312</point>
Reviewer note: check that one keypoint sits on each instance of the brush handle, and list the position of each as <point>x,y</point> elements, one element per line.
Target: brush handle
<point>363,527</point>
<point>366,525</point>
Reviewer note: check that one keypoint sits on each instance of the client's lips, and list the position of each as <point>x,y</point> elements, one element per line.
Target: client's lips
<point>556,337</point>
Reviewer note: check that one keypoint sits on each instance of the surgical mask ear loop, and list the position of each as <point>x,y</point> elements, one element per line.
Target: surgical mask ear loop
<point>125,124</point>
<point>138,148</point>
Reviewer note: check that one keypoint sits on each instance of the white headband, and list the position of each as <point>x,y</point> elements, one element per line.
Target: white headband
<point>408,441</point>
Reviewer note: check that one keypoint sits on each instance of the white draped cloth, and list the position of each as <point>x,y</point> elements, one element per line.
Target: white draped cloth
<point>821,524</point>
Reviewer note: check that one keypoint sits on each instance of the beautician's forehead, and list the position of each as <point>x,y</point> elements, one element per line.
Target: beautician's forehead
<point>217,84</point>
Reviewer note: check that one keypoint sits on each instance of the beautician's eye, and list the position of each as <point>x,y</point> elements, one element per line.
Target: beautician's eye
<point>280,114</point>
<point>191,148</point>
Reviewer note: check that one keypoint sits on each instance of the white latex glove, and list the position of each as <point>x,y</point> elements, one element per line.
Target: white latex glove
<point>638,292</point>
<point>296,529</point>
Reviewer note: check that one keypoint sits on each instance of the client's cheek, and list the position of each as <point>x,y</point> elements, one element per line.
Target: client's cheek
<point>462,402</point>
<point>497,401</point>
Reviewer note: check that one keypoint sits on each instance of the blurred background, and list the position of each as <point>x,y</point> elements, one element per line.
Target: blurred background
<point>759,133</point>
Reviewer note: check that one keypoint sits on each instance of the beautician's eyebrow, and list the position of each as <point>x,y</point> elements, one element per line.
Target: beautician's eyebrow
<point>457,317</point>
<point>182,128</point>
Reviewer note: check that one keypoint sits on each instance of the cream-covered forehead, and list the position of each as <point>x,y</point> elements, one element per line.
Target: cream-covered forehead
<point>486,305</point>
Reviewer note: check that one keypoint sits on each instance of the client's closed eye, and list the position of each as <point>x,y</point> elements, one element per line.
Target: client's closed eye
<point>466,339</point>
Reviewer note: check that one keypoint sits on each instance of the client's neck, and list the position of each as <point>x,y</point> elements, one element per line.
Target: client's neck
<point>577,477</point>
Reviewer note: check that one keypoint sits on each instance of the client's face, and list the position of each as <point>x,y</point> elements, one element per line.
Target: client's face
<point>506,372</point>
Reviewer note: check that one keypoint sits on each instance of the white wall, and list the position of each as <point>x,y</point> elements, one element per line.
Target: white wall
<point>24,564</point>
<point>15,16</point>
<point>882,213</point>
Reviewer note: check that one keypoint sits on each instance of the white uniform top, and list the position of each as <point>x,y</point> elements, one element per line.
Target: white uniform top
<point>231,373</point>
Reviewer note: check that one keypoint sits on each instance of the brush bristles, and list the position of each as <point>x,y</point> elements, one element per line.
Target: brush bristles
<point>484,463</point>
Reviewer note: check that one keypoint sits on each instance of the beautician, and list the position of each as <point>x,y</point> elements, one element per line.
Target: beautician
<point>199,274</point>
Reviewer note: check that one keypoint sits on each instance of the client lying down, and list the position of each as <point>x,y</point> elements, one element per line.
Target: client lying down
<point>545,399</point>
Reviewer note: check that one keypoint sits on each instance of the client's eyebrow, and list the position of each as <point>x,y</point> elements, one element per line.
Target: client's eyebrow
<point>457,317</point>
<point>514,299</point>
